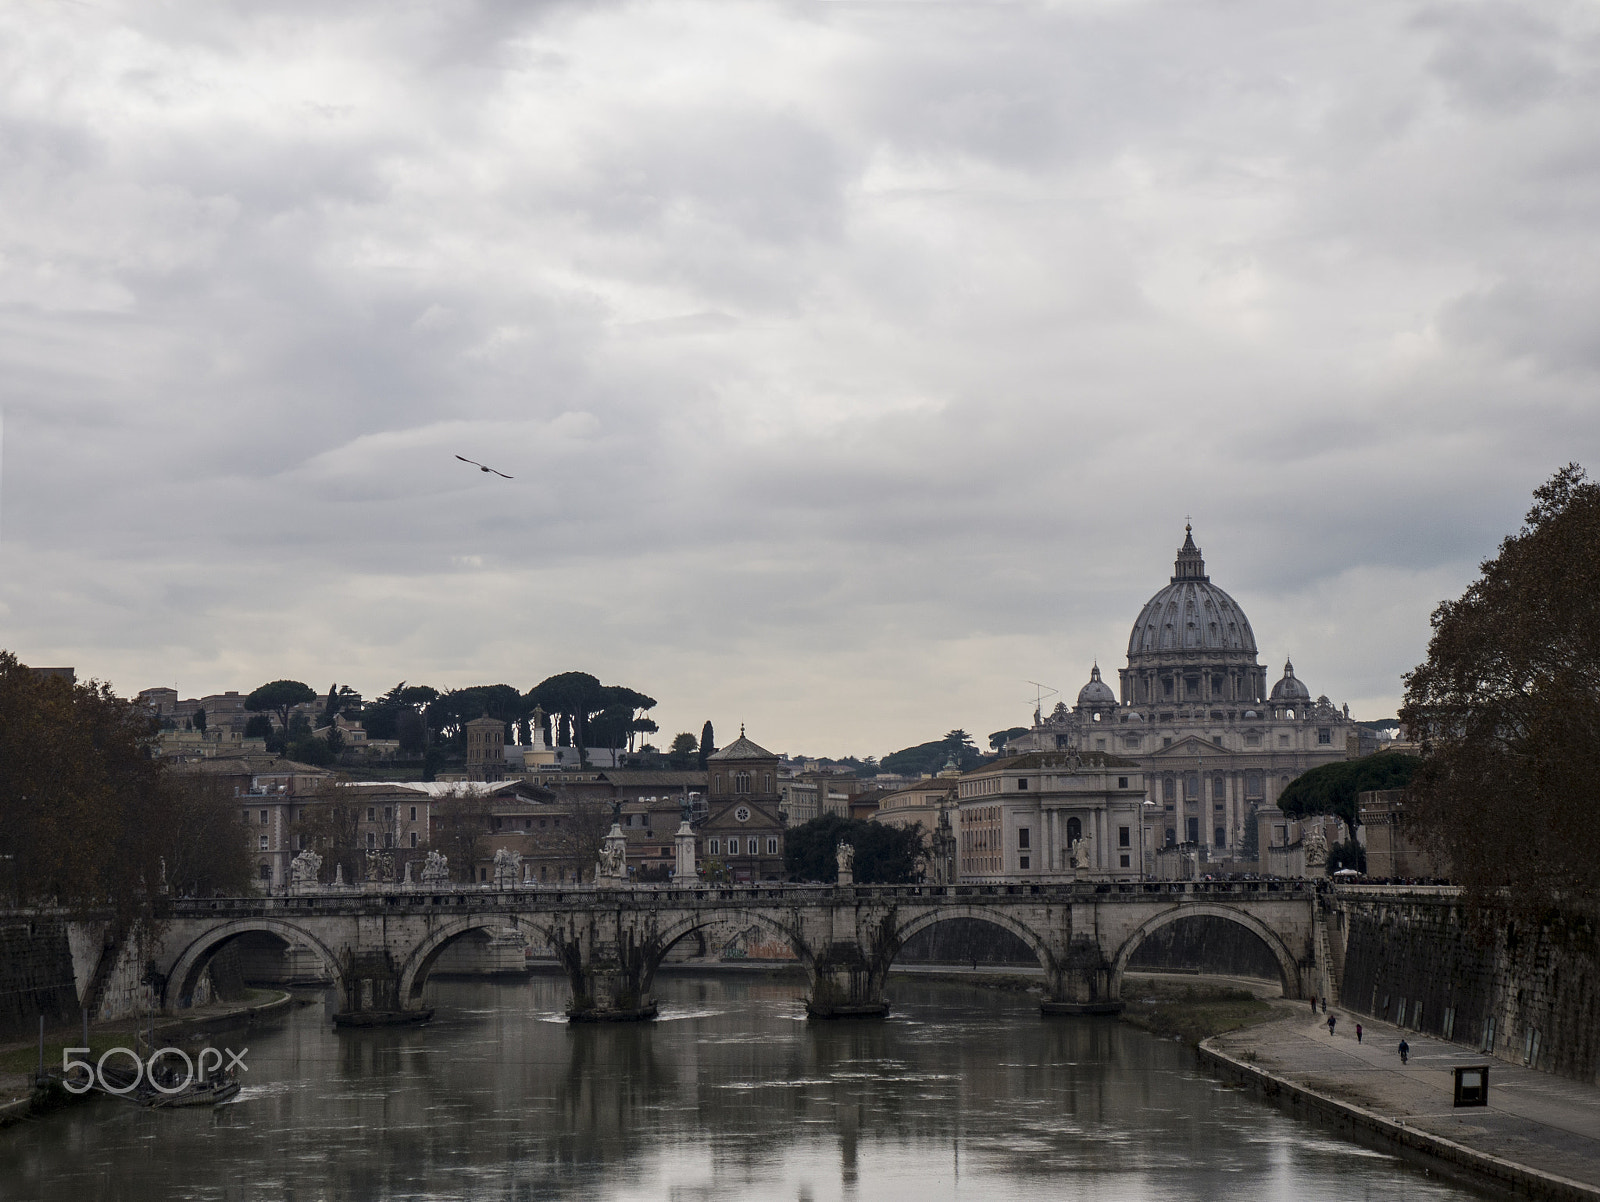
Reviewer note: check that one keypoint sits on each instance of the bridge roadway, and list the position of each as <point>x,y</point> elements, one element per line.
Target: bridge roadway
<point>378,947</point>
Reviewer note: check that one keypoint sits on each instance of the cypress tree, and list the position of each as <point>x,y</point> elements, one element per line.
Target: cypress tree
<point>708,743</point>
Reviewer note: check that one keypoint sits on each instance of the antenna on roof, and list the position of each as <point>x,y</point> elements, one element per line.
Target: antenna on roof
<point>1042,691</point>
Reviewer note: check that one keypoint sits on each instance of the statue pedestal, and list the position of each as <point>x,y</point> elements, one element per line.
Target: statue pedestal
<point>685,871</point>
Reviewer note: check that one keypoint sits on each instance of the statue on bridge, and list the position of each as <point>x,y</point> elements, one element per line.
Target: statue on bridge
<point>507,868</point>
<point>303,870</point>
<point>1316,845</point>
<point>613,861</point>
<point>845,856</point>
<point>436,869</point>
<point>1082,853</point>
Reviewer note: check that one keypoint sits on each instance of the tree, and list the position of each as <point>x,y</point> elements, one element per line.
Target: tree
<point>411,732</point>
<point>383,716</point>
<point>885,854</point>
<point>258,726</point>
<point>708,744</point>
<point>1000,738</point>
<point>931,757</point>
<point>279,697</point>
<point>1507,708</point>
<point>88,817</point>
<point>1333,788</point>
<point>459,824</point>
<point>200,719</point>
<point>573,695</point>
<point>682,753</point>
<point>342,700</point>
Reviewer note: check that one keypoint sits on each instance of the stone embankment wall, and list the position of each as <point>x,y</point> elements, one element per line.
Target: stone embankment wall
<point>54,966</point>
<point>35,975</point>
<point>1524,992</point>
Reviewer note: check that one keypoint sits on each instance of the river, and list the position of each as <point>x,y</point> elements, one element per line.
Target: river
<point>963,1093</point>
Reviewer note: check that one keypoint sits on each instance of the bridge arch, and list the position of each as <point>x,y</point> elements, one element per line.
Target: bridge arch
<point>414,975</point>
<point>994,916</point>
<point>687,925</point>
<point>1288,966</point>
<point>196,957</point>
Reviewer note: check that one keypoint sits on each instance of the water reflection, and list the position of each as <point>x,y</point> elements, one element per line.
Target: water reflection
<point>962,1094</point>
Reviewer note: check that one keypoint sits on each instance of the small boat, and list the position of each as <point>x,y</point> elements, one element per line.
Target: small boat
<point>203,1093</point>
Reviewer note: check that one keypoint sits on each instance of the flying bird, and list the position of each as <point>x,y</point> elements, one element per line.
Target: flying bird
<point>482,468</point>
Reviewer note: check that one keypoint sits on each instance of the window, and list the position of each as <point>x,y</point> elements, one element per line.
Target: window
<point>1252,784</point>
<point>1219,786</point>
<point>1099,744</point>
<point>1023,862</point>
<point>1194,830</point>
<point>1074,831</point>
<point>1166,685</point>
<point>1172,837</point>
<point>1169,789</point>
<point>266,872</point>
<point>1124,836</point>
<point>372,813</point>
<point>742,813</point>
<point>388,838</point>
<point>1124,863</point>
<point>1219,837</point>
<point>388,813</point>
<point>263,818</point>
<point>1022,782</point>
<point>413,813</point>
<point>1216,740</point>
<point>1022,837</point>
<point>772,847</point>
<point>1131,742</point>
<point>1191,786</point>
<point>1122,782</point>
<point>741,782</point>
<point>263,843</point>
<point>413,838</point>
<point>768,786</point>
<point>1324,735</point>
<point>714,847</point>
<point>1166,742</point>
<point>372,839</point>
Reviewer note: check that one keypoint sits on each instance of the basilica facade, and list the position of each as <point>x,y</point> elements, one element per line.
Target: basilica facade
<point>1193,708</point>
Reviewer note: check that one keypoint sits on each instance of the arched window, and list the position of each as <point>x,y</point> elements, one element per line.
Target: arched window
<point>1169,789</point>
<point>741,782</point>
<point>1074,831</point>
<point>767,787</point>
<point>1191,786</point>
<point>1219,787</point>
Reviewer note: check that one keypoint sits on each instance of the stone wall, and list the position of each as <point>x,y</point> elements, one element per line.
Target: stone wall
<point>35,976</point>
<point>1525,992</point>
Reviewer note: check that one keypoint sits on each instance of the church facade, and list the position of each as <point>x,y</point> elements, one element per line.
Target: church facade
<point>1193,708</point>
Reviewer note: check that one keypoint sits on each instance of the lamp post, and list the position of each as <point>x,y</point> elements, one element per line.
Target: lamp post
<point>1144,835</point>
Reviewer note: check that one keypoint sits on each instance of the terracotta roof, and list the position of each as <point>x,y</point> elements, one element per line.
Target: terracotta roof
<point>667,778</point>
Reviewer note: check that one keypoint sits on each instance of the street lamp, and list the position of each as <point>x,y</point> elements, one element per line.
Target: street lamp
<point>1144,835</point>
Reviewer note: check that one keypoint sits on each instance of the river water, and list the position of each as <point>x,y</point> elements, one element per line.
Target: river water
<point>963,1093</point>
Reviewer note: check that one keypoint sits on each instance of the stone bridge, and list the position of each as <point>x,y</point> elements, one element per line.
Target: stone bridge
<point>378,947</point>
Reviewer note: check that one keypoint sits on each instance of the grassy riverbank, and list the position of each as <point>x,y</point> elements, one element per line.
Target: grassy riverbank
<point>1193,1010</point>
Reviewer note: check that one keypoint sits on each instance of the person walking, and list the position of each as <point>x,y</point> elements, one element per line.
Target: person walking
<point>1405,1051</point>
<point>1313,1003</point>
<point>1332,1018</point>
<point>1324,1005</point>
<point>1358,1032</point>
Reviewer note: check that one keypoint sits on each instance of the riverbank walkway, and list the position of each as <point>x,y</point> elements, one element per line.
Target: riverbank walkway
<point>1543,1123</point>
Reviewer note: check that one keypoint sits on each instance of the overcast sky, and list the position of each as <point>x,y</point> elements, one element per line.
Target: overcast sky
<point>857,363</point>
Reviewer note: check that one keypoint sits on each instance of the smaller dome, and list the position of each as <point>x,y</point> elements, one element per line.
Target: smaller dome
<point>1097,691</point>
<point>1290,688</point>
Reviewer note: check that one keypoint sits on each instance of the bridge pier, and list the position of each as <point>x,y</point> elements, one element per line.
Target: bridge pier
<point>1080,982</point>
<point>372,994</point>
<point>610,978</point>
<point>845,983</point>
